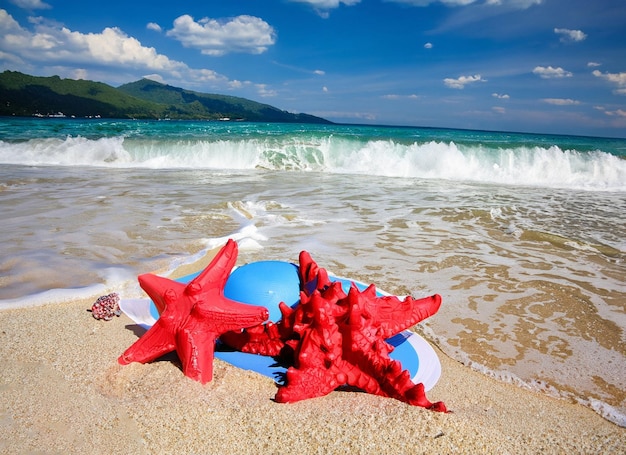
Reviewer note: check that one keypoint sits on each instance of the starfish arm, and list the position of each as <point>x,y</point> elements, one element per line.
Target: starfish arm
<point>417,397</point>
<point>222,314</point>
<point>307,383</point>
<point>156,342</point>
<point>195,348</point>
<point>312,276</point>
<point>397,315</point>
<point>356,377</point>
<point>308,269</point>
<point>163,291</point>
<point>217,272</point>
<point>262,339</point>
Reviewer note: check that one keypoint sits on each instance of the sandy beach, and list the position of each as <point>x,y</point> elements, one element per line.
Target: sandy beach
<point>63,391</point>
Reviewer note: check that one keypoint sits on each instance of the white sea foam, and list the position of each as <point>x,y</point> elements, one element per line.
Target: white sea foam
<point>528,166</point>
<point>113,280</point>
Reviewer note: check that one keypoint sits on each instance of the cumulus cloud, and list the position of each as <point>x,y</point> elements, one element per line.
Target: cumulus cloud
<point>502,96</point>
<point>499,110</point>
<point>428,46</point>
<point>462,81</point>
<point>59,47</point>
<point>239,34</point>
<point>593,64</point>
<point>548,72</point>
<point>560,101</point>
<point>319,72</point>
<point>616,78</point>
<point>31,4</point>
<point>58,44</point>
<point>153,26</point>
<point>569,36</point>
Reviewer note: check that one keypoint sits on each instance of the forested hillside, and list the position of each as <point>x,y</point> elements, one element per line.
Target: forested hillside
<point>25,95</point>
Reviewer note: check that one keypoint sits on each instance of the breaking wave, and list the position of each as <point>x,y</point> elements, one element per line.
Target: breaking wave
<point>528,165</point>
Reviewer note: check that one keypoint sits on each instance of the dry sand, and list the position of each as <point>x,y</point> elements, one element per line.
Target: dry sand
<point>62,391</point>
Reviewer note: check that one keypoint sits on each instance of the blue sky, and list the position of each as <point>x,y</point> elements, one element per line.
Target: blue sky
<point>545,66</point>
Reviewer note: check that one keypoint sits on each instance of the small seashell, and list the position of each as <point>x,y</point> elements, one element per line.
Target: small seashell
<point>106,307</point>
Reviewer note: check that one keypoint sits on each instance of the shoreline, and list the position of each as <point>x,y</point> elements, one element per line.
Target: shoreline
<point>63,391</point>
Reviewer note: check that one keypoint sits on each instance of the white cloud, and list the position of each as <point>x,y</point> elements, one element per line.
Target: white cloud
<point>616,78</point>
<point>593,64</point>
<point>12,58</point>
<point>328,3</point>
<point>322,7</point>
<point>153,26</point>
<point>239,34</point>
<point>428,2</point>
<point>560,101</point>
<point>31,4</point>
<point>350,115</point>
<point>58,47</point>
<point>517,4</point>
<point>428,46</point>
<point>568,36</point>
<point>462,81</point>
<point>618,113</point>
<point>499,110</point>
<point>154,77</point>
<point>503,96</point>
<point>551,73</point>
<point>112,46</point>
<point>59,44</point>
<point>264,91</point>
<point>237,84</point>
<point>393,96</point>
<point>79,73</point>
<point>300,69</point>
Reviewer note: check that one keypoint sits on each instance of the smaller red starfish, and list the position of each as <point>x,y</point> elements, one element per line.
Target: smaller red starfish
<point>193,316</point>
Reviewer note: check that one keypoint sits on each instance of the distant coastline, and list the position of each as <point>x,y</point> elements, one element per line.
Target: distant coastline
<point>23,95</point>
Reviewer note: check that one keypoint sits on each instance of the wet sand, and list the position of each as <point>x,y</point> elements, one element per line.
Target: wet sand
<point>62,391</point>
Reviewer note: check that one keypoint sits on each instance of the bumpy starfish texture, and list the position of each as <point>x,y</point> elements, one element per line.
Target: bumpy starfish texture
<point>192,317</point>
<point>332,339</point>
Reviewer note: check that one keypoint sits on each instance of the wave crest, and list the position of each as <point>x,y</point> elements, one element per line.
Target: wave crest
<point>518,165</point>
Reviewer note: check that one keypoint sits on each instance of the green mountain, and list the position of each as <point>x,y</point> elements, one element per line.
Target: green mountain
<point>25,95</point>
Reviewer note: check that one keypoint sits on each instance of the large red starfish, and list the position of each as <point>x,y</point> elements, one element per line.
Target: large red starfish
<point>332,339</point>
<point>192,317</point>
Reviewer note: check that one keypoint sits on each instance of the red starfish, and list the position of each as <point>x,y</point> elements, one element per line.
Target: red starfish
<point>331,339</point>
<point>192,317</point>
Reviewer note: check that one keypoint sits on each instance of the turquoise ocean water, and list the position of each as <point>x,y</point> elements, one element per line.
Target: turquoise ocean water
<point>523,235</point>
